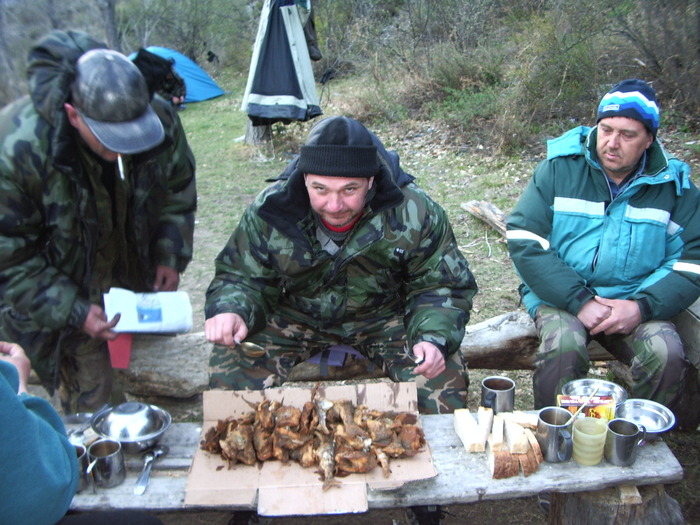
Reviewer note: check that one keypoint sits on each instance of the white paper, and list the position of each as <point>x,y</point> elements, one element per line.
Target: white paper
<point>158,312</point>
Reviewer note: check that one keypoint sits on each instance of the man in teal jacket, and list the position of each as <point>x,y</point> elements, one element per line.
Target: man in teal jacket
<point>97,189</point>
<point>606,238</point>
<point>344,250</point>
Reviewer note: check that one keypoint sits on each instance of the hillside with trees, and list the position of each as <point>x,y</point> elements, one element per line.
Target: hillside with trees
<point>510,70</point>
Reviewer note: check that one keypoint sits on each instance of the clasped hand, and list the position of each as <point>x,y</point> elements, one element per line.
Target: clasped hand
<point>610,316</point>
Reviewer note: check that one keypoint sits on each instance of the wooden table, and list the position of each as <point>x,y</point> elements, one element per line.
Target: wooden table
<point>462,477</point>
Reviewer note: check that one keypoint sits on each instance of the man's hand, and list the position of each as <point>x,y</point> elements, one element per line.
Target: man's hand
<point>14,354</point>
<point>225,329</point>
<point>434,363</point>
<point>97,326</point>
<point>167,279</point>
<point>592,313</point>
<point>624,316</point>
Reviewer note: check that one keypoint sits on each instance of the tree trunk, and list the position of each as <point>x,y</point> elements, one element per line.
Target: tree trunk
<point>255,135</point>
<point>611,507</point>
<point>107,7</point>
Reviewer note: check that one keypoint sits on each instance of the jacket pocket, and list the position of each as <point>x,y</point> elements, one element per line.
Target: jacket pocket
<point>646,231</point>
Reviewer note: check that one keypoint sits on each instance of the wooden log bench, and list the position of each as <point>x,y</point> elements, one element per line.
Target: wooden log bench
<point>462,477</point>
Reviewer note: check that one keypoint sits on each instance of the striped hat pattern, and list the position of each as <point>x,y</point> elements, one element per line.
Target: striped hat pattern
<point>632,98</point>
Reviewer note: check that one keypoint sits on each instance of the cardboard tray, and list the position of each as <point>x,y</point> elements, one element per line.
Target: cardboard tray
<point>279,489</point>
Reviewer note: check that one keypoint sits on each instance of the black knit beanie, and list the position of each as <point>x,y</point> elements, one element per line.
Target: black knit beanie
<point>339,147</point>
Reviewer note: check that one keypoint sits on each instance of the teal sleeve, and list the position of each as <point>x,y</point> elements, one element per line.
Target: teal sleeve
<point>39,464</point>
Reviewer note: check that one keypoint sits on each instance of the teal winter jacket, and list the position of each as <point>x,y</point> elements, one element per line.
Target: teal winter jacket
<point>569,240</point>
<point>39,464</point>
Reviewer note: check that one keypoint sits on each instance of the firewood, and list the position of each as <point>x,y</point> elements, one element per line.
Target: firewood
<point>488,213</point>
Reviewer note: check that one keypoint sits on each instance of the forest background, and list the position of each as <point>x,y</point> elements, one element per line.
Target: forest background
<point>467,92</point>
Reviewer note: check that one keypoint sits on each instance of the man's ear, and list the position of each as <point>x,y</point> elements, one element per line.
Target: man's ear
<point>73,115</point>
<point>371,181</point>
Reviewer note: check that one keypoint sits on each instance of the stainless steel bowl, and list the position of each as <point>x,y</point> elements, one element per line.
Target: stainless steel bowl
<point>137,426</point>
<point>585,387</point>
<point>653,416</point>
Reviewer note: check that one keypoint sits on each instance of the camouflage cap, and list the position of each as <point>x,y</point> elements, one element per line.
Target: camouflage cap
<point>111,95</point>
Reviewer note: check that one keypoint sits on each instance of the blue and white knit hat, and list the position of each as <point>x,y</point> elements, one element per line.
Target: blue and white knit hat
<point>632,98</point>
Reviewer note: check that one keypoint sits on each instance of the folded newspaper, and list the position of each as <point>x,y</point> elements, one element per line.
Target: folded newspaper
<point>158,312</point>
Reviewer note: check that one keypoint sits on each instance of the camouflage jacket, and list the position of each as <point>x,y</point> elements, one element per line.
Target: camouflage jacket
<point>50,213</point>
<point>400,260</point>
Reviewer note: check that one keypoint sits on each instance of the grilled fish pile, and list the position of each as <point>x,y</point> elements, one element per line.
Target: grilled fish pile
<point>335,437</point>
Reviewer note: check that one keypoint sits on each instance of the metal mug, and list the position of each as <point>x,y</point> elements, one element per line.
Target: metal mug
<point>622,440</point>
<point>554,434</point>
<point>498,393</point>
<point>106,463</point>
<point>83,462</point>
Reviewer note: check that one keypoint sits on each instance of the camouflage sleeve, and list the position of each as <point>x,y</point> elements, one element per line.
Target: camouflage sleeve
<point>245,282</point>
<point>440,287</point>
<point>29,282</point>
<point>175,233</point>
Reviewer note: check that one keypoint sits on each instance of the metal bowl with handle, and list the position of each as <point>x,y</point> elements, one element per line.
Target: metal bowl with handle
<point>137,426</point>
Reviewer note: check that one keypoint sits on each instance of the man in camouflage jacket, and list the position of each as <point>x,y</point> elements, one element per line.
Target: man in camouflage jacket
<point>343,250</point>
<point>74,221</point>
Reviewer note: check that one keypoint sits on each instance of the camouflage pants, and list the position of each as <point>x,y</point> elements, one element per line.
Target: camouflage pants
<point>86,376</point>
<point>287,344</point>
<point>653,351</point>
<point>70,362</point>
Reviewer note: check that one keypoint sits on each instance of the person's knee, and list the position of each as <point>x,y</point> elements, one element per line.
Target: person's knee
<point>446,392</point>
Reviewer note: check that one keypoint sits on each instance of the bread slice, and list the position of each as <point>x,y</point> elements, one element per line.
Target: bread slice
<point>515,438</point>
<point>528,462</point>
<point>485,418</point>
<point>502,463</point>
<point>524,419</point>
<point>497,438</point>
<point>534,445</point>
<point>468,430</point>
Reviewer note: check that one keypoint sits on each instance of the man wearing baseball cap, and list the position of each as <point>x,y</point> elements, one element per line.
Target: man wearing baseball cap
<point>97,189</point>
<point>343,250</point>
<point>606,239</point>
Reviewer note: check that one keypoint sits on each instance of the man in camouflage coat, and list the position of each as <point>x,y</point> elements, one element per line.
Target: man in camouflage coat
<point>97,189</point>
<point>343,250</point>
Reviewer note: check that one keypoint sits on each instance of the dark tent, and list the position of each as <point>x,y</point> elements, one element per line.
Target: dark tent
<point>281,85</point>
<point>200,86</point>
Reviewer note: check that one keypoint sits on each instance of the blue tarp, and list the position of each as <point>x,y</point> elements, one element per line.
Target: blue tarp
<point>200,86</point>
